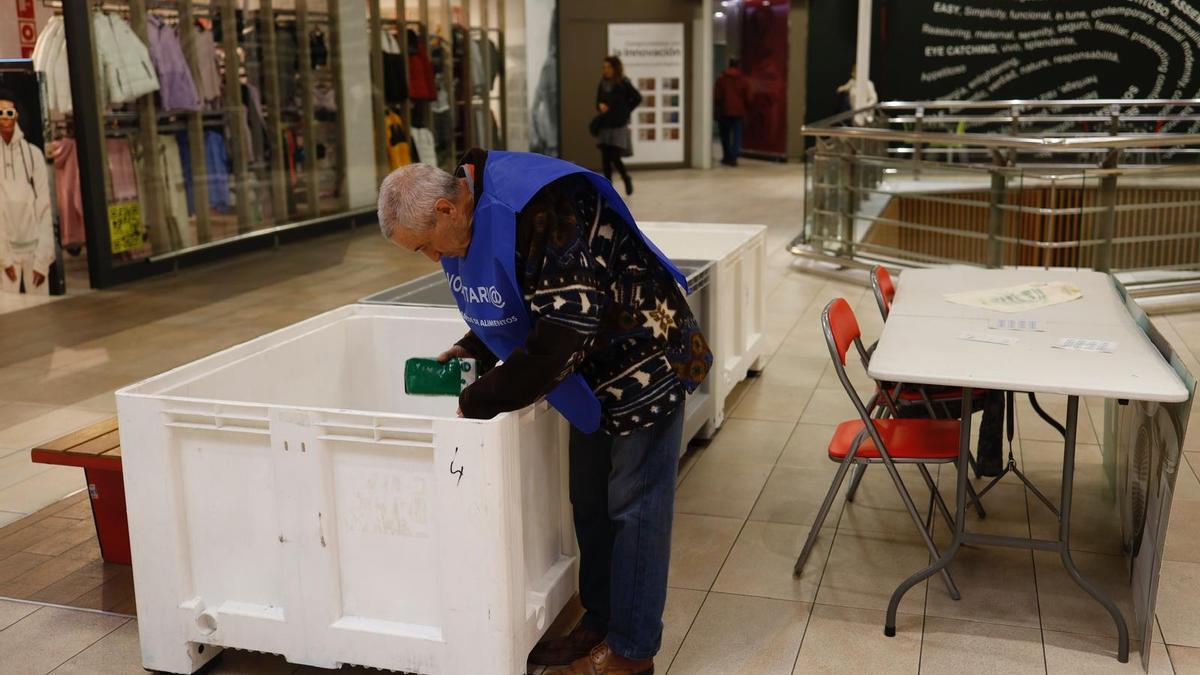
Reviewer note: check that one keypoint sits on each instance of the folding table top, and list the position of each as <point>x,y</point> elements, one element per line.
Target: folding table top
<point>922,341</point>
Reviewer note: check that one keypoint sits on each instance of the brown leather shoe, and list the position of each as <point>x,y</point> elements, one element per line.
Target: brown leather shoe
<point>604,661</point>
<point>561,651</point>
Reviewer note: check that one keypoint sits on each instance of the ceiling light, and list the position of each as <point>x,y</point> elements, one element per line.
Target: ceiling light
<point>718,15</point>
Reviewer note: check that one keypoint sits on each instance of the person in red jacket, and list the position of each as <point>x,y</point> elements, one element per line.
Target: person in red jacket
<point>731,99</point>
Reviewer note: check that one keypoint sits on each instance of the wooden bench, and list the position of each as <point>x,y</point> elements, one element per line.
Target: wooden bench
<point>97,450</point>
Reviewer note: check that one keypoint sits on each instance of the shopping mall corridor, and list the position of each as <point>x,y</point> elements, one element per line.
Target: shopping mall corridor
<point>744,503</point>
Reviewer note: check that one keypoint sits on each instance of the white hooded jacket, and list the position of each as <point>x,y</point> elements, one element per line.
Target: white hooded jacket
<point>26,229</point>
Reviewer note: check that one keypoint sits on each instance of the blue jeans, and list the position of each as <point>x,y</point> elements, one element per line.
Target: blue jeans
<point>730,129</point>
<point>623,494</point>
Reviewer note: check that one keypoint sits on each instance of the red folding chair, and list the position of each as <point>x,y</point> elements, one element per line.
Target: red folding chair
<point>871,440</point>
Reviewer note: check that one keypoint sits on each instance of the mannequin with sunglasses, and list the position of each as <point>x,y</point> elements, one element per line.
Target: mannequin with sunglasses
<point>26,229</point>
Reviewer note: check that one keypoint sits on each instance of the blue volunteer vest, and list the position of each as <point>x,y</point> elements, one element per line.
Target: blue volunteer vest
<point>485,283</point>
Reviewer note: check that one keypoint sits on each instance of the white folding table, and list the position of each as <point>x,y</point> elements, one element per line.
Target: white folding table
<point>921,344</point>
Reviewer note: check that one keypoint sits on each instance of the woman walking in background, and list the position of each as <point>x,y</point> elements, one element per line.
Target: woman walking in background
<point>616,97</point>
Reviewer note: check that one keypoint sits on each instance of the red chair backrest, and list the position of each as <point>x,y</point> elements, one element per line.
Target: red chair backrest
<point>841,327</point>
<point>885,288</point>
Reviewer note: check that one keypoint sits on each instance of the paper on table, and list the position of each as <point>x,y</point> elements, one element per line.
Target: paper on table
<point>1019,298</point>
<point>1016,324</point>
<point>990,339</point>
<point>1086,345</point>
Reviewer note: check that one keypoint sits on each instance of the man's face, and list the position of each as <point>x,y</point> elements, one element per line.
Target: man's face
<point>450,235</point>
<point>8,117</point>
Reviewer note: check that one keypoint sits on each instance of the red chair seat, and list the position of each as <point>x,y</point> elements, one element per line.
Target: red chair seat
<point>905,439</point>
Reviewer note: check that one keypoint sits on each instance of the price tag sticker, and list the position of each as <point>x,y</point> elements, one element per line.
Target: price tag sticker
<point>1016,324</point>
<point>1086,345</point>
<point>990,339</point>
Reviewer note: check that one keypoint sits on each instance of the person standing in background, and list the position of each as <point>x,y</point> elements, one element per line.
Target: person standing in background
<point>26,228</point>
<point>616,97</point>
<point>850,91</point>
<point>731,100</point>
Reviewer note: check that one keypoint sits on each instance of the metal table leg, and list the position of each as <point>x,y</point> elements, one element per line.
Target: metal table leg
<point>960,518</point>
<point>1062,545</point>
<point>1064,533</point>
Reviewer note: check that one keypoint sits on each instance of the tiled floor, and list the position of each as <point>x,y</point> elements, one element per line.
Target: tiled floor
<point>745,503</point>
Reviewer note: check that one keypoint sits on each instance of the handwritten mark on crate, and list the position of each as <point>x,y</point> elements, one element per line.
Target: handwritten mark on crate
<point>458,472</point>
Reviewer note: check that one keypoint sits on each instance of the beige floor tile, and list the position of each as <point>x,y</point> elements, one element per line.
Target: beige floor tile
<point>1095,522</point>
<point>117,653</point>
<point>13,414</point>
<point>951,647</point>
<point>680,613</point>
<point>27,650</point>
<point>752,441</point>
<point>53,423</point>
<point>1187,486</point>
<point>878,507</point>
<point>42,489</point>
<point>847,640</point>
<point>17,466</point>
<point>721,488</point>
<point>1066,607</point>
<point>741,635</point>
<point>795,495</point>
<point>1185,660</point>
<point>7,517</point>
<point>773,402</point>
<point>762,561</point>
<point>997,586</point>
<point>795,371</point>
<point>12,612</point>
<point>1183,532</point>
<point>863,570</point>
<point>1068,653</point>
<point>828,406</point>
<point>1178,608</point>
<point>807,446</point>
<point>699,546</point>
<point>1007,513</point>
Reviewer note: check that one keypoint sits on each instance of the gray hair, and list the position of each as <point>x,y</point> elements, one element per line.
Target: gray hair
<point>407,196</point>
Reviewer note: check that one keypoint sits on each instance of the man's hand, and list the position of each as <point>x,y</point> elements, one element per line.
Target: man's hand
<point>11,272</point>
<point>455,352</point>
<point>38,279</point>
<point>602,107</point>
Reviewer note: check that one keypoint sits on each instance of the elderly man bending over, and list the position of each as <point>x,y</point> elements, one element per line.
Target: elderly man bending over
<point>552,276</point>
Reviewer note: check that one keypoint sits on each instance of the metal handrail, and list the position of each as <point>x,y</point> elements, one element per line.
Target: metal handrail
<point>1033,206</point>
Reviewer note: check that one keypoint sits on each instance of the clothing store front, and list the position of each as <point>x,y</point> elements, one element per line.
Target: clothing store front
<point>208,128</point>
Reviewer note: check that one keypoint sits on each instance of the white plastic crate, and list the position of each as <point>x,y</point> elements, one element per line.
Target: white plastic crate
<point>735,324</point>
<point>287,496</point>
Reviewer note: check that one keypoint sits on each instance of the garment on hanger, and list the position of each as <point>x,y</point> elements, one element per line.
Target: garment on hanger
<point>395,80</point>
<point>398,143</point>
<point>50,59</point>
<point>318,52</point>
<point>216,159</point>
<point>170,170</point>
<point>121,172</point>
<point>209,86</point>
<point>125,60</point>
<point>66,188</point>
<point>424,144</point>
<point>420,70</point>
<point>287,59</point>
<point>177,88</point>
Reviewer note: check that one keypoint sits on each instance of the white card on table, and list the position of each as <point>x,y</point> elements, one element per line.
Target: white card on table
<point>991,339</point>
<point>1016,324</point>
<point>1086,345</point>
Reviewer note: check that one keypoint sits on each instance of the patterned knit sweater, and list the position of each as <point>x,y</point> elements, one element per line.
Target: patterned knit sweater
<point>602,306</point>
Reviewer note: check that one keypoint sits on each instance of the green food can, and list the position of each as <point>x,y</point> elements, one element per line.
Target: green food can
<point>428,377</point>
